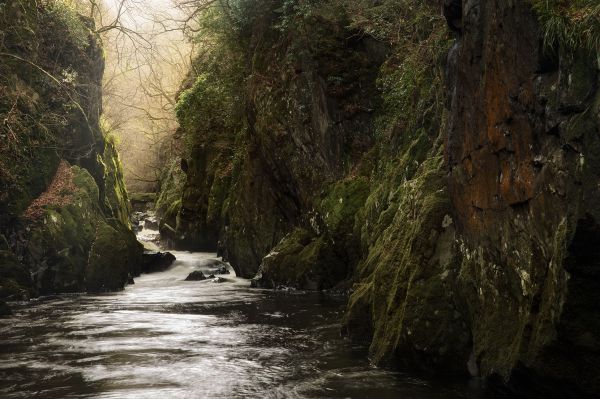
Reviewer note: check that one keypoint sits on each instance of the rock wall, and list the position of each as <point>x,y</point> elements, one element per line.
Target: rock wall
<point>522,156</point>
<point>62,197</point>
<point>300,122</point>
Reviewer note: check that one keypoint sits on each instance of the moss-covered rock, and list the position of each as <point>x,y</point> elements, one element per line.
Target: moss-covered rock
<point>15,279</point>
<point>51,68</point>
<point>301,260</point>
<point>115,255</point>
<point>60,240</point>
<point>117,199</point>
<point>4,309</point>
<point>325,252</point>
<point>258,154</point>
<point>168,200</point>
<point>60,243</point>
<point>457,178</point>
<point>523,180</point>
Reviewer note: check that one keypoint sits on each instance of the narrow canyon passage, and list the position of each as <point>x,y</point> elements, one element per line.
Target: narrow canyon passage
<point>165,337</point>
<point>300,199</point>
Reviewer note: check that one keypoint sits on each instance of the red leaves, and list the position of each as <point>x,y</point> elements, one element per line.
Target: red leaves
<point>59,193</point>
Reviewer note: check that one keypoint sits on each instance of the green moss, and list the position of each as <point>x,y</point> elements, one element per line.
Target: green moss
<point>50,72</point>
<point>70,21</point>
<point>86,184</point>
<point>409,273</point>
<point>342,202</point>
<point>168,200</point>
<point>106,269</point>
<point>112,258</point>
<point>302,260</point>
<point>218,193</point>
<point>62,238</point>
<point>39,41</point>
<point>404,302</point>
<point>117,199</point>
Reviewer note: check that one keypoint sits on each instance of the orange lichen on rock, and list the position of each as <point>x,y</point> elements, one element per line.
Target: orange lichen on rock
<point>59,192</point>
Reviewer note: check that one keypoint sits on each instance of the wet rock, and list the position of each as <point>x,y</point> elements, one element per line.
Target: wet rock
<point>114,255</point>
<point>211,276</point>
<point>4,309</point>
<point>196,275</point>
<point>3,243</point>
<point>156,261</point>
<point>151,223</point>
<point>15,279</point>
<point>142,201</point>
<point>523,171</point>
<point>220,270</point>
<point>219,280</point>
<point>301,260</point>
<point>256,281</point>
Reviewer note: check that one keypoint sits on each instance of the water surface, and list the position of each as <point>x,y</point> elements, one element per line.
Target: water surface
<point>164,337</point>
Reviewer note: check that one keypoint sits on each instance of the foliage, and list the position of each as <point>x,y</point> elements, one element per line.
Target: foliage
<point>64,17</point>
<point>211,100</point>
<point>570,23</point>
<point>395,22</point>
<point>411,79</point>
<point>205,106</point>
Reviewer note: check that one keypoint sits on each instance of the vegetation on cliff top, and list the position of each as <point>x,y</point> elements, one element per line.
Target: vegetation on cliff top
<point>572,24</point>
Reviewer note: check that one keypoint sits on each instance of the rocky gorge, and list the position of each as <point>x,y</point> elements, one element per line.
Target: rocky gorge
<point>435,164</point>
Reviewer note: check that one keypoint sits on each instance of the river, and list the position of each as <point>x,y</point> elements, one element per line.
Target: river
<point>164,337</point>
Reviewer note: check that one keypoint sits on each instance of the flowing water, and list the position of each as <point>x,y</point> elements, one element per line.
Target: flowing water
<point>164,337</point>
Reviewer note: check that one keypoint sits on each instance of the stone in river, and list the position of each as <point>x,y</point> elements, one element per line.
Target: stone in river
<point>156,261</point>
<point>196,275</point>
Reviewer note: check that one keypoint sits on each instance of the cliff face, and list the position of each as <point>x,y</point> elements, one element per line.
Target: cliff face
<point>522,153</point>
<point>299,123</point>
<point>452,176</point>
<point>61,181</point>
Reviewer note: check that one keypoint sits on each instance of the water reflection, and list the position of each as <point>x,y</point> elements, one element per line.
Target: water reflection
<point>168,338</point>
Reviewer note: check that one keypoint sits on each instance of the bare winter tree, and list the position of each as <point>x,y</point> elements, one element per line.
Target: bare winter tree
<point>146,61</point>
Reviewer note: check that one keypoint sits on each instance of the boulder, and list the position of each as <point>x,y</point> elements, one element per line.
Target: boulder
<point>151,223</point>
<point>220,270</point>
<point>196,275</point>
<point>156,261</point>
<point>4,309</point>
<point>113,256</point>
<point>15,279</point>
